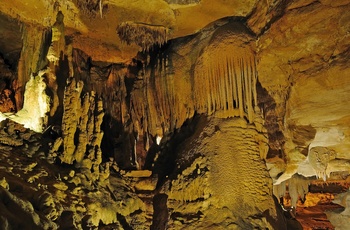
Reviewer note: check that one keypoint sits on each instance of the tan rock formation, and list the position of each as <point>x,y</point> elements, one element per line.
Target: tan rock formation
<point>340,220</point>
<point>130,85</point>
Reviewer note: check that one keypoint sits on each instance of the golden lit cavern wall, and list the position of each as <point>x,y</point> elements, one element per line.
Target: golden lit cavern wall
<point>175,82</point>
<point>310,84</point>
<point>212,72</point>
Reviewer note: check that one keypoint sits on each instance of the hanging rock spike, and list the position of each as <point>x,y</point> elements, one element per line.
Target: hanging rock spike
<point>143,35</point>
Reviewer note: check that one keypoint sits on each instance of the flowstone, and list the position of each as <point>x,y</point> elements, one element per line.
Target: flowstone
<point>227,185</point>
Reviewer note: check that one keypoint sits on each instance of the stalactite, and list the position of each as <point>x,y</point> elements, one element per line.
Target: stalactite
<point>240,91</point>
<point>221,89</point>
<point>280,190</point>
<point>57,47</point>
<point>298,186</point>
<point>230,85</point>
<point>143,35</point>
<point>319,157</point>
<point>58,41</point>
<point>220,80</point>
<point>255,78</point>
<point>232,75</point>
<point>207,95</point>
<point>249,93</point>
<point>215,95</point>
<point>91,7</point>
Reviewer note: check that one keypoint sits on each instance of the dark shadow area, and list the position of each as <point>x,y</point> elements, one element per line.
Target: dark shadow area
<point>168,151</point>
<point>160,212</point>
<point>117,143</point>
<point>268,107</point>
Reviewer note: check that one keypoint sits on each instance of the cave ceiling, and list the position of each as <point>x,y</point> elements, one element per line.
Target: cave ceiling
<point>92,24</point>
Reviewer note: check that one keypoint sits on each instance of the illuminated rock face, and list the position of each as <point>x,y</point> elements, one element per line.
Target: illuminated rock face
<point>217,89</point>
<point>35,106</point>
<point>226,185</point>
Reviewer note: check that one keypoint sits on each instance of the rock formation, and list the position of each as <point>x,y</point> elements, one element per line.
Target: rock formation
<point>174,114</point>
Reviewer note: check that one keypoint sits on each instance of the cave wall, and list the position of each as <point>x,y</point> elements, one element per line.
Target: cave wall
<point>272,86</point>
<point>306,54</point>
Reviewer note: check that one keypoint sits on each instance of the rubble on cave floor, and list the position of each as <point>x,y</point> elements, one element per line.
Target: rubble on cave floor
<point>37,194</point>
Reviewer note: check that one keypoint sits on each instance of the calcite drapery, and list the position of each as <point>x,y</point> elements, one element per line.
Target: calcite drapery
<point>225,76</point>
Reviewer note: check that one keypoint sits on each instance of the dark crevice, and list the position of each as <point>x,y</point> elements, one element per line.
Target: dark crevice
<point>123,222</point>
<point>268,105</point>
<point>160,212</point>
<point>166,163</point>
<point>185,218</point>
<point>273,13</point>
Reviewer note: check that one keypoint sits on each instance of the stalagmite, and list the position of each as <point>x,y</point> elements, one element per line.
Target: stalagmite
<point>71,115</point>
<point>83,135</point>
<point>36,104</point>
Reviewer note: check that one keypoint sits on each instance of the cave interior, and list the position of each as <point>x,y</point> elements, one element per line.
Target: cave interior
<point>175,114</point>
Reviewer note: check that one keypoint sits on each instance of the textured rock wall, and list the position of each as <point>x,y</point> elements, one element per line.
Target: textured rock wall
<point>7,102</point>
<point>302,66</point>
<point>306,54</point>
<point>195,76</point>
<point>160,90</point>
